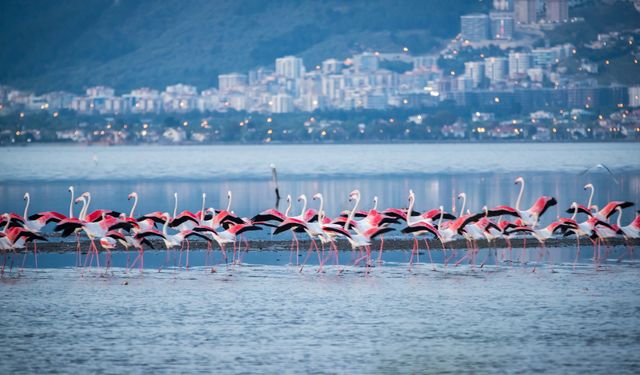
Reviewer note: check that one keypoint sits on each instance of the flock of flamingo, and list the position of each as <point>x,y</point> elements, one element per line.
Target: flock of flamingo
<point>356,226</point>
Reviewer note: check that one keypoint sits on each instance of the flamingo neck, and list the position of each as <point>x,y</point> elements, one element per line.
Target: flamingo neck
<point>86,208</point>
<point>6,226</point>
<point>410,209</point>
<point>441,215</point>
<point>464,203</point>
<point>135,203</point>
<point>71,203</point>
<point>164,226</point>
<point>304,206</point>
<point>26,207</point>
<point>520,195</point>
<point>575,211</point>
<point>204,197</point>
<point>352,213</point>
<point>590,197</point>
<point>619,217</point>
<point>320,210</point>
<point>286,213</point>
<point>175,205</point>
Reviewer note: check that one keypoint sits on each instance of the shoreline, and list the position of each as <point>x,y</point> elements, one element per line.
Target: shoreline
<point>390,244</point>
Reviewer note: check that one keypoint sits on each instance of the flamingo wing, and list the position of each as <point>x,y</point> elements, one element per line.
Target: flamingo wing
<point>503,211</point>
<point>611,207</point>
<point>542,205</point>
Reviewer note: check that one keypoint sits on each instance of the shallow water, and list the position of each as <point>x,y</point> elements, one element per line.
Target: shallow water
<point>266,317</point>
<point>272,319</point>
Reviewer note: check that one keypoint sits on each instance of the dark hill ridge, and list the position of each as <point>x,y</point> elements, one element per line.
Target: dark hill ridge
<point>50,45</point>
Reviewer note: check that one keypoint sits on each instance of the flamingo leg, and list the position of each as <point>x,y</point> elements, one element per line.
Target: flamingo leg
<point>426,242</point>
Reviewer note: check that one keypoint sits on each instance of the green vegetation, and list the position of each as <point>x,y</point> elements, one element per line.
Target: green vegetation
<point>51,45</point>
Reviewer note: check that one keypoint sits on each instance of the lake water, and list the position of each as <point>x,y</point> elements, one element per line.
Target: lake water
<point>266,317</point>
<point>272,319</point>
<point>437,173</point>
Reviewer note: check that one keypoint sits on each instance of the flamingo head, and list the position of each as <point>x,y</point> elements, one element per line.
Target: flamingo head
<point>86,194</point>
<point>588,186</point>
<point>411,195</point>
<point>375,200</point>
<point>462,196</point>
<point>441,208</point>
<point>26,196</point>
<point>71,189</point>
<point>317,196</point>
<point>79,199</point>
<point>302,197</point>
<point>354,195</point>
<point>166,216</point>
<point>519,180</point>
<point>204,195</point>
<point>175,195</point>
<point>288,198</point>
<point>132,196</point>
<point>272,166</point>
<point>229,194</point>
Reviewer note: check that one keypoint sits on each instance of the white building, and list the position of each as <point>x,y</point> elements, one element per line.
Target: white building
<point>232,81</point>
<point>519,63</point>
<point>290,67</point>
<point>634,96</point>
<point>144,100</point>
<point>282,103</point>
<point>474,70</point>
<point>495,69</point>
<point>331,66</point>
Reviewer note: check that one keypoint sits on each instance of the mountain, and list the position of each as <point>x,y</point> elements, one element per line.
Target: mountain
<point>72,44</point>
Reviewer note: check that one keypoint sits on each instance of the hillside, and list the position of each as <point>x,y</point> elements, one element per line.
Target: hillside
<point>47,45</point>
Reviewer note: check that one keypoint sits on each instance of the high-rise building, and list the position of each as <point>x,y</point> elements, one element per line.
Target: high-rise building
<point>282,103</point>
<point>365,62</point>
<point>331,66</point>
<point>519,63</point>
<point>502,25</point>
<point>634,96</point>
<point>290,67</point>
<point>475,71</point>
<point>474,27</point>
<point>557,10</point>
<point>495,69</point>
<point>503,5</point>
<point>231,81</point>
<point>525,11</point>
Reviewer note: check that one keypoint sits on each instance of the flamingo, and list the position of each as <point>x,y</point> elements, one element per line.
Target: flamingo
<point>531,216</point>
<point>362,237</point>
<point>16,238</point>
<point>96,215</point>
<point>171,240</point>
<point>418,228</point>
<point>185,220</point>
<point>633,229</point>
<point>35,222</point>
<point>93,229</point>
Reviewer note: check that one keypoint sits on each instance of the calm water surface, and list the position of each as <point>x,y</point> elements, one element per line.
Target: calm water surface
<point>271,319</point>
<point>266,317</point>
